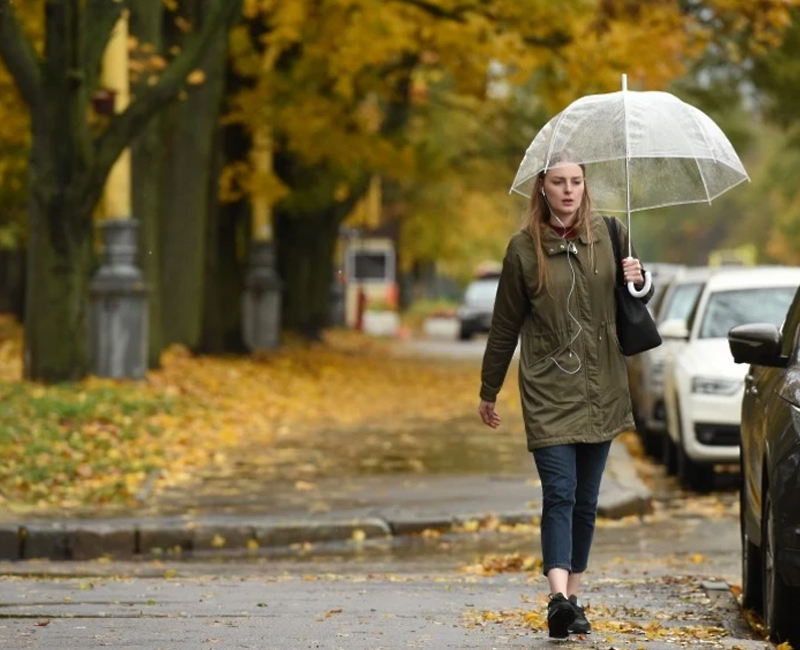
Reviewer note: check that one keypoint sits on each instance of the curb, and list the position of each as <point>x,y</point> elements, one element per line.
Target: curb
<point>175,536</point>
<point>632,497</point>
<point>126,540</point>
<point>130,537</point>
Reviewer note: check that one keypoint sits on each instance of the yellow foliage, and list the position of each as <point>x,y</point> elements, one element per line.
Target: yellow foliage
<point>326,75</point>
<point>15,137</point>
<point>100,441</point>
<point>513,563</point>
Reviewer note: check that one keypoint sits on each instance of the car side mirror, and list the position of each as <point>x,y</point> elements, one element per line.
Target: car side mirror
<point>674,328</point>
<point>758,344</point>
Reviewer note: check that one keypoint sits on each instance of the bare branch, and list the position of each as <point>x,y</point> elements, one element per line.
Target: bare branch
<point>456,13</point>
<point>98,21</point>
<point>17,51</point>
<point>459,13</point>
<point>126,125</point>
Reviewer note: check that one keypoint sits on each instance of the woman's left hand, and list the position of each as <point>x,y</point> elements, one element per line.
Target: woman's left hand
<point>632,271</point>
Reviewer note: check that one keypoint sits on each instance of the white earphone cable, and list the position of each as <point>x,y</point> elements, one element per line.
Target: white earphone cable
<point>569,296</point>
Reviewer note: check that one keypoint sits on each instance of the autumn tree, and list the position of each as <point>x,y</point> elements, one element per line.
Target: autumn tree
<point>175,170</point>
<point>335,81</point>
<point>71,158</point>
<point>745,78</point>
<point>776,75</point>
<point>14,148</point>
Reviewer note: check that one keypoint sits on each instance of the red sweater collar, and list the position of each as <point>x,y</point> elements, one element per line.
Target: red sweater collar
<point>565,233</point>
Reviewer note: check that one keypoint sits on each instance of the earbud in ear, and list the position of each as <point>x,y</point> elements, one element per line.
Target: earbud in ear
<point>542,191</point>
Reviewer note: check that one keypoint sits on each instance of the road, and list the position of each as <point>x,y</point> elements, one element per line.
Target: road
<point>667,580</point>
<point>661,582</point>
<point>445,347</point>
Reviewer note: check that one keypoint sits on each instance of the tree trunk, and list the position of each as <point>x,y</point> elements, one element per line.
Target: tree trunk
<point>69,166</point>
<point>224,286</point>
<point>60,254</point>
<point>60,262</point>
<point>188,131</point>
<point>147,160</point>
<point>224,278</point>
<point>228,235</point>
<point>233,236</point>
<point>12,282</point>
<point>306,231</point>
<point>306,246</point>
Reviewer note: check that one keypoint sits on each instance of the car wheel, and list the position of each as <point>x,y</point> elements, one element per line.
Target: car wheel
<point>464,334</point>
<point>692,475</point>
<point>781,602</point>
<point>752,595</point>
<point>669,454</point>
<point>650,442</point>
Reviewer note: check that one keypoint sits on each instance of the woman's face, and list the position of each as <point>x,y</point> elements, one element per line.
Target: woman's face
<point>563,189</point>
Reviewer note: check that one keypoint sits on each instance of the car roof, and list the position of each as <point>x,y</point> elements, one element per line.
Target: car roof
<point>663,268</point>
<point>693,274</point>
<point>753,277</point>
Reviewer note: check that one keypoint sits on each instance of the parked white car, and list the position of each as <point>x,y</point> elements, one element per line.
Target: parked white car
<point>662,274</point>
<point>646,370</point>
<point>703,387</point>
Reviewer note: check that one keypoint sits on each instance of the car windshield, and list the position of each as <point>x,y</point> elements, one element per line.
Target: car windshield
<point>481,291</point>
<point>727,309</point>
<point>682,302</point>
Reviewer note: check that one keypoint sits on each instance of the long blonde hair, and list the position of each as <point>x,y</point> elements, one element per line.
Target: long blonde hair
<point>537,217</point>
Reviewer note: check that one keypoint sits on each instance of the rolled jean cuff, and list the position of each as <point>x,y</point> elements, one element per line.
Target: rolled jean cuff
<point>566,567</point>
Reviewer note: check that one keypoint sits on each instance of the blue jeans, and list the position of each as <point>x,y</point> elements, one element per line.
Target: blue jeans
<point>570,476</point>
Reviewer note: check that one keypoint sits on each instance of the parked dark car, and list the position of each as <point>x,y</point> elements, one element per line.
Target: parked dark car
<point>770,471</point>
<point>475,311</point>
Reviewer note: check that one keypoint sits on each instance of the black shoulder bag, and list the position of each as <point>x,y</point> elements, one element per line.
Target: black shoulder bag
<point>636,329</point>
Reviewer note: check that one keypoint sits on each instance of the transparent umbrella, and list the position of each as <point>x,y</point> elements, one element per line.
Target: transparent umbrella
<point>641,150</point>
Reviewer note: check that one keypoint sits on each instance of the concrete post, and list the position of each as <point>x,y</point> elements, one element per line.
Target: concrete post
<point>261,303</point>
<point>338,316</point>
<point>118,309</point>
<point>118,297</point>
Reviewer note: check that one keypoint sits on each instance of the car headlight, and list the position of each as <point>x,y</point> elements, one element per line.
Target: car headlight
<point>716,385</point>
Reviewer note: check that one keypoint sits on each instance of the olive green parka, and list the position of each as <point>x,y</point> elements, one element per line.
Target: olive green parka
<point>573,378</point>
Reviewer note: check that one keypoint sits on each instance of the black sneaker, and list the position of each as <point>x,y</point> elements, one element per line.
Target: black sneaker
<point>560,615</point>
<point>580,625</point>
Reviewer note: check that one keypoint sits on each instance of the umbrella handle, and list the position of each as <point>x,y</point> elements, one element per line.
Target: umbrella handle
<point>638,293</point>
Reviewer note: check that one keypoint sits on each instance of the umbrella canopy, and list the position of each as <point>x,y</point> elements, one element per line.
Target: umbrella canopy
<point>642,150</point>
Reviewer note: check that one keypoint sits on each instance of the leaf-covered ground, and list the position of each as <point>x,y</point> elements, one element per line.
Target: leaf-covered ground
<point>102,442</point>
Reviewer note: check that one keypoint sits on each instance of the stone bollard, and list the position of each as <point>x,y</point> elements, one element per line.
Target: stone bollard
<point>261,303</point>
<point>118,306</point>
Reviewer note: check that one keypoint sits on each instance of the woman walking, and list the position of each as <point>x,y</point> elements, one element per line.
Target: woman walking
<point>556,297</point>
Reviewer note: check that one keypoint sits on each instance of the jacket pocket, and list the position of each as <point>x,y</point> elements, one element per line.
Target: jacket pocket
<point>543,346</point>
<point>553,376</point>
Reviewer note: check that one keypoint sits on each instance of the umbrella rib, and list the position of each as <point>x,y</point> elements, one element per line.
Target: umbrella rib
<point>553,139</point>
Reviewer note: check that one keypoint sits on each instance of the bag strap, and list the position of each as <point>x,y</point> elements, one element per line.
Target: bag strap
<point>611,224</point>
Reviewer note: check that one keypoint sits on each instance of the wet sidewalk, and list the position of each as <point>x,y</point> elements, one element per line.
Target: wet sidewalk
<point>218,514</point>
